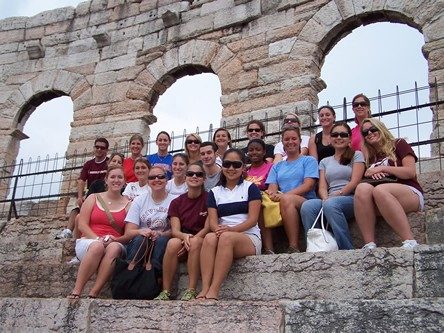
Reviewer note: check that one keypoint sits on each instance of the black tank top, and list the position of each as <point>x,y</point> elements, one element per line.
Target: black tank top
<point>323,151</point>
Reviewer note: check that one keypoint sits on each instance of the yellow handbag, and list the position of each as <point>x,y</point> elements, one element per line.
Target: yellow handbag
<point>271,212</point>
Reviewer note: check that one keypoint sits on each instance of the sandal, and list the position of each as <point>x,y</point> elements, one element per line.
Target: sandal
<point>73,296</point>
<point>92,297</point>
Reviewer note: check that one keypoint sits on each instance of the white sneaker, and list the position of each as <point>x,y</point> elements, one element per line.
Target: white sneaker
<point>409,244</point>
<point>65,233</point>
<point>73,261</point>
<point>369,246</point>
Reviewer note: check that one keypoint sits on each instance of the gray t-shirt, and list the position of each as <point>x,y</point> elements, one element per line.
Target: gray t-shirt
<point>211,181</point>
<point>338,175</point>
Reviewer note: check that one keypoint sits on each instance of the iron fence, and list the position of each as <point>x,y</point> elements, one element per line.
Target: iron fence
<point>45,186</point>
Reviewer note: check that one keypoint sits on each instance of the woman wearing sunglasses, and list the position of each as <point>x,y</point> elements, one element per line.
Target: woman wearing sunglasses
<point>177,185</point>
<point>387,156</point>
<point>148,216</point>
<point>233,211</point>
<point>361,109</point>
<point>192,146</point>
<point>188,214</point>
<point>338,177</point>
<point>291,182</point>
<point>256,130</point>
<point>319,145</point>
<point>141,169</point>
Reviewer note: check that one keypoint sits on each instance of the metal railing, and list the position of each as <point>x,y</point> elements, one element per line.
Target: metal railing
<point>45,186</point>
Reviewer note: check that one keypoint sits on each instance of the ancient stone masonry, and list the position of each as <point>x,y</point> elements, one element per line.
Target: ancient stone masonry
<point>114,58</point>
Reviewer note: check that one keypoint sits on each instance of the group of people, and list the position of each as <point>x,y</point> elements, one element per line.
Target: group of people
<point>203,206</point>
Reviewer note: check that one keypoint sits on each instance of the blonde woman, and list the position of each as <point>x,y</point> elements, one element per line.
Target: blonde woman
<point>192,145</point>
<point>387,156</point>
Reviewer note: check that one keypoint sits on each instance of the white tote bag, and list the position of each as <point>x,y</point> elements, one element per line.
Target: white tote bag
<point>320,239</point>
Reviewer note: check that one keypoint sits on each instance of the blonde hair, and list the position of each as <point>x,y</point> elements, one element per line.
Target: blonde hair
<point>196,136</point>
<point>386,144</point>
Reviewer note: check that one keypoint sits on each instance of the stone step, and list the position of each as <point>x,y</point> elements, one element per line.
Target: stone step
<point>384,273</point>
<point>42,315</point>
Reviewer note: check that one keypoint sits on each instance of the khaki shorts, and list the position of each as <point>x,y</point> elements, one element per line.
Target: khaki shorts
<point>82,246</point>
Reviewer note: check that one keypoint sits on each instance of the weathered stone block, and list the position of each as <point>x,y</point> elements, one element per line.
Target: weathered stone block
<point>237,15</point>
<point>429,271</point>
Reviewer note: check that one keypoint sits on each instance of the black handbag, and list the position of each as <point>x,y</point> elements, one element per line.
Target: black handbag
<point>136,279</point>
<point>376,182</point>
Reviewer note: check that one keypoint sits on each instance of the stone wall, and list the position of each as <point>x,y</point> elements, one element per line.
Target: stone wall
<point>114,58</point>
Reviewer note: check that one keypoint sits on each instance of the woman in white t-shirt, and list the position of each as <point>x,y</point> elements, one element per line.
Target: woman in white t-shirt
<point>338,177</point>
<point>177,185</point>
<point>148,216</point>
<point>134,189</point>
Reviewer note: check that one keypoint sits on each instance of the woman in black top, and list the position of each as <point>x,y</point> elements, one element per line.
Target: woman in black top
<point>319,145</point>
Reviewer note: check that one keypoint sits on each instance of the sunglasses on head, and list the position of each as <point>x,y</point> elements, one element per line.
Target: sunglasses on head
<point>251,130</point>
<point>198,174</point>
<point>188,142</point>
<point>358,104</point>
<point>100,147</point>
<point>235,164</point>
<point>366,132</point>
<point>339,134</point>
<point>156,176</point>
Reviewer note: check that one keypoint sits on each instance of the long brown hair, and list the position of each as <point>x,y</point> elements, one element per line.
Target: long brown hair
<point>349,153</point>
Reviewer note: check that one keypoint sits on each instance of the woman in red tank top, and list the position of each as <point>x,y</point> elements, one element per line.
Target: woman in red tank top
<point>97,248</point>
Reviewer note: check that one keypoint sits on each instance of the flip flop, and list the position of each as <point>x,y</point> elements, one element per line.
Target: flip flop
<point>92,297</point>
<point>73,296</point>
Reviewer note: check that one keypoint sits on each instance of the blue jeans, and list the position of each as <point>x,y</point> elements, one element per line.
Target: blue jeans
<point>158,251</point>
<point>337,210</point>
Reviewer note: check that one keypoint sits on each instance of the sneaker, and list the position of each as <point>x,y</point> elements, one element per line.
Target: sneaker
<point>65,233</point>
<point>409,244</point>
<point>292,249</point>
<point>369,246</point>
<point>188,295</point>
<point>73,261</point>
<point>163,296</point>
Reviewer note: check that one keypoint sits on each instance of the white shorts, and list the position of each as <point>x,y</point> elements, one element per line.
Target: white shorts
<point>257,243</point>
<point>420,195</point>
<point>82,246</point>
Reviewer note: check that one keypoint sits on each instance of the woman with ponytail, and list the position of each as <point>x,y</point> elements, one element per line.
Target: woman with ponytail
<point>338,177</point>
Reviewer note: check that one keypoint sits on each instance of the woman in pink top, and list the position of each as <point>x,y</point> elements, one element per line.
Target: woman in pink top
<point>97,248</point>
<point>361,109</point>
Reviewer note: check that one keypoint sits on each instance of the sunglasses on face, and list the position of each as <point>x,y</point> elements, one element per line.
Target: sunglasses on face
<point>156,176</point>
<point>198,174</point>
<point>290,120</point>
<point>358,104</point>
<point>251,130</point>
<point>339,134</point>
<point>235,164</point>
<point>366,132</point>
<point>188,142</point>
<point>100,147</point>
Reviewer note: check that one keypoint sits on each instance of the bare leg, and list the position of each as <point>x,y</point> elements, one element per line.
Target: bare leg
<point>170,262</point>
<point>207,256</point>
<point>193,263</point>
<point>71,219</point>
<point>231,245</point>
<point>88,266</point>
<point>290,205</point>
<point>266,233</point>
<point>393,201</point>
<point>75,231</point>
<point>106,267</point>
<point>365,211</point>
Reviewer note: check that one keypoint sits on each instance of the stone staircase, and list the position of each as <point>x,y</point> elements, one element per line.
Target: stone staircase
<point>384,290</point>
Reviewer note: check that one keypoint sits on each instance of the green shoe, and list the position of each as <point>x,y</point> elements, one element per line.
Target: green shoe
<point>188,295</point>
<point>163,296</point>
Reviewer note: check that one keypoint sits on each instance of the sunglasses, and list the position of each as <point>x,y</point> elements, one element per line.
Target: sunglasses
<point>235,164</point>
<point>339,134</point>
<point>156,176</point>
<point>290,120</point>
<point>188,142</point>
<point>100,147</point>
<point>358,104</point>
<point>251,130</point>
<point>366,132</point>
<point>198,174</point>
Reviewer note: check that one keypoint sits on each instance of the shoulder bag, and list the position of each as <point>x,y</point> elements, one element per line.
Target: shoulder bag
<point>136,279</point>
<point>320,239</point>
<point>271,212</point>
<point>113,223</point>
